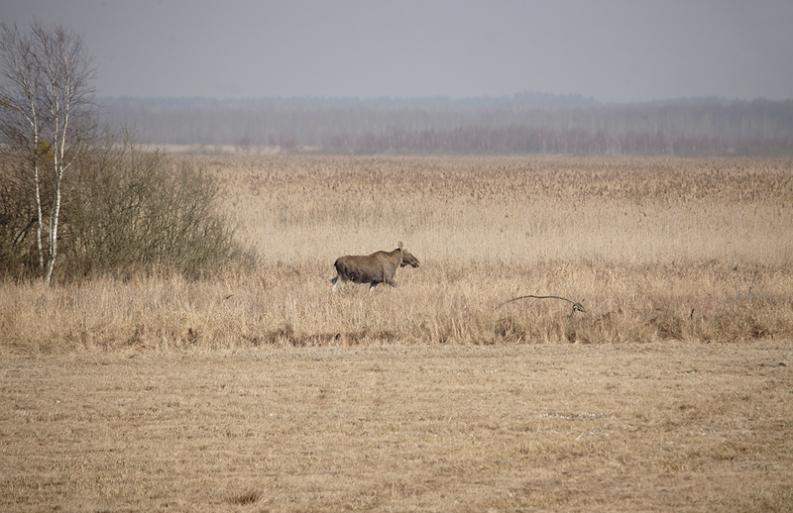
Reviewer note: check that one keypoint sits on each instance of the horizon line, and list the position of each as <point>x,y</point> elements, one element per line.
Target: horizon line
<point>513,96</point>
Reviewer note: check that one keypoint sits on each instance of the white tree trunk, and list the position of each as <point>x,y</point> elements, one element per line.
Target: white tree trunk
<point>58,160</point>
<point>56,210</point>
<point>37,181</point>
<point>47,70</point>
<point>38,216</point>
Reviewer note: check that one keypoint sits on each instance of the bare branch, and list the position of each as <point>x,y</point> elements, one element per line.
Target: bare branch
<point>577,307</point>
<point>45,99</point>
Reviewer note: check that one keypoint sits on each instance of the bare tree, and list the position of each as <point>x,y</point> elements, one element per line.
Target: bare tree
<point>47,103</point>
<point>20,123</point>
<point>66,97</point>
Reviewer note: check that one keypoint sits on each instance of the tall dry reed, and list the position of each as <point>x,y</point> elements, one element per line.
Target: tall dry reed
<point>655,248</point>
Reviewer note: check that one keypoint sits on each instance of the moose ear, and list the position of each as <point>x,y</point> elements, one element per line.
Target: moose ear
<point>399,246</point>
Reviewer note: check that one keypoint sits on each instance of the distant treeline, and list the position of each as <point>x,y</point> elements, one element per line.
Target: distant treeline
<point>523,123</point>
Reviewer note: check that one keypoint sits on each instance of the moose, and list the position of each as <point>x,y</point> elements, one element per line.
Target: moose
<point>379,267</point>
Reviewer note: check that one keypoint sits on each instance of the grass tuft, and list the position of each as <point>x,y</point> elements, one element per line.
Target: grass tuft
<point>244,498</point>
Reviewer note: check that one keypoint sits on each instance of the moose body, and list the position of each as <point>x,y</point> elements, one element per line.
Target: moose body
<point>379,267</point>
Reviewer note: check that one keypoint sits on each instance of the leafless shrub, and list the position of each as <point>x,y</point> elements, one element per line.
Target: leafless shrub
<point>17,220</point>
<point>125,212</point>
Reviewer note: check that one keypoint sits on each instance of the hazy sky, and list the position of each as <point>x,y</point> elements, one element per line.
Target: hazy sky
<point>614,50</point>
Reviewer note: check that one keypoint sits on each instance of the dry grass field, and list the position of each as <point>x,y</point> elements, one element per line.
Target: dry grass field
<point>655,249</point>
<point>264,391</point>
<point>678,426</point>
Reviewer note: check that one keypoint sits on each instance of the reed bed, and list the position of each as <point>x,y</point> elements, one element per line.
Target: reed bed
<point>655,249</point>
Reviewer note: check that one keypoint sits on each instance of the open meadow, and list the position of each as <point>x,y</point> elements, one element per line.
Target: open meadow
<point>655,249</point>
<point>262,390</point>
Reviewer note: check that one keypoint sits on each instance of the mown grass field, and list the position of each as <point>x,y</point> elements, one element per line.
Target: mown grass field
<point>262,390</point>
<point>554,427</point>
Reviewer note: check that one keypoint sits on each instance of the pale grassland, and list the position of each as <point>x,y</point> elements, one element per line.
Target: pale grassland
<point>158,393</point>
<point>673,426</point>
<point>689,249</point>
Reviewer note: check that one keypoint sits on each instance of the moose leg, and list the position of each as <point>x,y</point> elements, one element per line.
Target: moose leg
<point>335,282</point>
<point>373,285</point>
<point>391,282</point>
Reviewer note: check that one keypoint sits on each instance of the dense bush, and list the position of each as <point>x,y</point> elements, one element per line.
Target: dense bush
<point>18,256</point>
<point>125,212</point>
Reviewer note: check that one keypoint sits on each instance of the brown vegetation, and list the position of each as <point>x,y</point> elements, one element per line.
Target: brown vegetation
<point>655,249</point>
<point>683,427</point>
<point>264,391</point>
<point>124,212</point>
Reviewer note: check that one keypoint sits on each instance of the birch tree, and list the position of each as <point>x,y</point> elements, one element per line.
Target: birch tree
<point>20,123</point>
<point>47,99</point>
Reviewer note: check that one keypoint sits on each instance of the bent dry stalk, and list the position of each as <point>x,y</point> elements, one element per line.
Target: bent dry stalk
<point>577,307</point>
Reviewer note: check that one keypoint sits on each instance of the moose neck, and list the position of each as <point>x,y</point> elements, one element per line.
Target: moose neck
<point>397,254</point>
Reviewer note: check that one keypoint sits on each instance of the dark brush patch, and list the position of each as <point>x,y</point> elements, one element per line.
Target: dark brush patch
<point>244,498</point>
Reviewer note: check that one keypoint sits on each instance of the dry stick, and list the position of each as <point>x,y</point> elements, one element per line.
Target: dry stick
<point>577,307</point>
